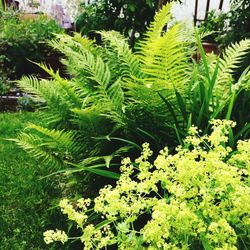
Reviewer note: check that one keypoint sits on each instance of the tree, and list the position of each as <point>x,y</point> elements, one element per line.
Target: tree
<point>126,16</point>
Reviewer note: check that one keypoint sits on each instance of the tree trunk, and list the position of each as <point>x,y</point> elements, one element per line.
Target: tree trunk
<point>207,9</point>
<point>196,11</point>
<point>162,2</point>
<point>221,5</point>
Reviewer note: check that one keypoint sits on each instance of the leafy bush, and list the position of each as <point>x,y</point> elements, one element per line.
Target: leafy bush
<point>239,21</point>
<point>21,40</point>
<point>126,16</point>
<point>215,26</point>
<point>229,27</point>
<point>197,198</point>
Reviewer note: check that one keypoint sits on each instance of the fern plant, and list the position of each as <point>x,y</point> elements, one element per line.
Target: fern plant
<point>116,98</point>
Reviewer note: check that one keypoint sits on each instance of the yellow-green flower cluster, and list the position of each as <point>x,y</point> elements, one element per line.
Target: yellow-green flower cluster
<point>199,196</point>
<point>58,235</point>
<point>79,217</point>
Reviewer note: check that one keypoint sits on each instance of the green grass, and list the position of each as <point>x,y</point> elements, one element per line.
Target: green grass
<point>25,198</point>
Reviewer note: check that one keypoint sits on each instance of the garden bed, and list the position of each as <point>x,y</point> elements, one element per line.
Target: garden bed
<point>8,103</point>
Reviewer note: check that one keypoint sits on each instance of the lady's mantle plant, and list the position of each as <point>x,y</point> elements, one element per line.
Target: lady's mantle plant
<point>198,198</point>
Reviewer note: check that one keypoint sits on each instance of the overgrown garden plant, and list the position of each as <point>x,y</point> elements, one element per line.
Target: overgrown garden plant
<point>116,99</point>
<point>195,199</point>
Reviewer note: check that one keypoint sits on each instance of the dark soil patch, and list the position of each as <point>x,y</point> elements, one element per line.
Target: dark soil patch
<point>8,103</point>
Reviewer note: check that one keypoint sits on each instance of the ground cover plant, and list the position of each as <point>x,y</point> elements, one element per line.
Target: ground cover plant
<point>116,98</point>
<point>26,199</point>
<point>197,198</point>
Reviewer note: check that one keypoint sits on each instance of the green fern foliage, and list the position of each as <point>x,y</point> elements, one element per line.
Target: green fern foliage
<point>49,145</point>
<point>116,97</point>
<point>230,62</point>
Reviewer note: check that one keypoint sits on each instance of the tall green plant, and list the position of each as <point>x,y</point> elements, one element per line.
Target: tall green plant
<point>213,93</point>
<point>116,98</point>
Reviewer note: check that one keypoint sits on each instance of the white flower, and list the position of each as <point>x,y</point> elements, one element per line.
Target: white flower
<point>137,34</point>
<point>121,15</point>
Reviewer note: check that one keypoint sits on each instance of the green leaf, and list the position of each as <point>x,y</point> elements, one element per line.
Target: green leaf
<point>171,110</point>
<point>182,105</point>
<point>104,173</point>
<point>203,54</point>
<point>231,105</point>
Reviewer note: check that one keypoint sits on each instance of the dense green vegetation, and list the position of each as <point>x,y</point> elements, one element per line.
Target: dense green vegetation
<point>26,199</point>
<point>161,130</point>
<point>129,17</point>
<point>197,198</point>
<point>118,98</point>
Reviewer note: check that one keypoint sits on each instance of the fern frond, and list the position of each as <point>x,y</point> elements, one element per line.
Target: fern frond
<point>58,97</point>
<point>52,146</point>
<point>231,61</point>
<point>65,86</point>
<point>167,66</point>
<point>33,145</point>
<point>32,85</point>
<point>155,30</point>
<point>163,55</point>
<point>96,81</point>
<point>127,61</point>
<point>77,42</point>
<point>244,80</point>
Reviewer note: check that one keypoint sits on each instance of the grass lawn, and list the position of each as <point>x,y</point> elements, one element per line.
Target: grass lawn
<point>24,196</point>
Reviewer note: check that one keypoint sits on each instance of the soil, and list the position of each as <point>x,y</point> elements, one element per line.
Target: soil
<point>8,103</point>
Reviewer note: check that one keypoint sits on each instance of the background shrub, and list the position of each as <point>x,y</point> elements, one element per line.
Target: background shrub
<point>129,17</point>
<point>23,40</point>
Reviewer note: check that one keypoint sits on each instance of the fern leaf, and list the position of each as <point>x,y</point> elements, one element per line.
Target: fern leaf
<point>33,145</point>
<point>231,61</point>
<point>155,30</point>
<point>60,140</point>
<point>127,61</point>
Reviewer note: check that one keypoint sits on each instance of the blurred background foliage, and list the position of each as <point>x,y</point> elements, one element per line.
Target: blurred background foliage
<point>129,17</point>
